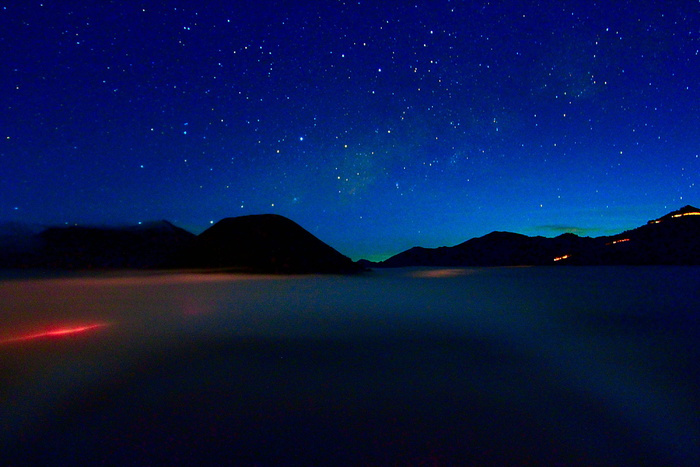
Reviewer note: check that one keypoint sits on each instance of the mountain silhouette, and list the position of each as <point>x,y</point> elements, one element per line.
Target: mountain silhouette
<point>75,247</point>
<point>673,239</point>
<point>264,243</point>
<point>494,249</point>
<point>17,240</point>
<point>271,243</point>
<point>259,243</point>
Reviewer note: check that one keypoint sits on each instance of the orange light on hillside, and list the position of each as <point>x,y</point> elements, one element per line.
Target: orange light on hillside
<point>675,216</point>
<point>559,258</point>
<point>618,241</point>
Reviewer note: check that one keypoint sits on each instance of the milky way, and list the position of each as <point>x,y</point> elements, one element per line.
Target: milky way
<point>375,125</point>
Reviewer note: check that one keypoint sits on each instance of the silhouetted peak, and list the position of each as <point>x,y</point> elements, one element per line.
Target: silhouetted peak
<point>265,243</point>
<point>162,225</point>
<point>18,229</point>
<point>567,235</point>
<point>257,220</point>
<point>499,235</point>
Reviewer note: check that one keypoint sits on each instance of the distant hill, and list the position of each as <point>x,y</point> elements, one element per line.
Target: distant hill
<point>264,243</point>
<point>671,239</point>
<point>17,241</point>
<point>144,246</point>
<point>494,249</point>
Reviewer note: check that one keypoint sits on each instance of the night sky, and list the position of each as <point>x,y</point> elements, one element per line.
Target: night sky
<point>376,125</point>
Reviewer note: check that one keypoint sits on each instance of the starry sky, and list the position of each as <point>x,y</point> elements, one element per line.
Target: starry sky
<point>376,125</point>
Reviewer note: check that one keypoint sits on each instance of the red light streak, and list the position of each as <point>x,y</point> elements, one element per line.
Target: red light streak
<point>54,333</point>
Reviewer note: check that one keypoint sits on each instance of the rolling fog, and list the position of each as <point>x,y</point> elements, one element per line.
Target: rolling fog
<point>492,365</point>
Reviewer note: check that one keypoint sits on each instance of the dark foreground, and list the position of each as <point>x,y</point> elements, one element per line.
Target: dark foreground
<point>580,366</point>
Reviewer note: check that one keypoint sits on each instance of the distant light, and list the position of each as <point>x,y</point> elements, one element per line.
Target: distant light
<point>301,138</point>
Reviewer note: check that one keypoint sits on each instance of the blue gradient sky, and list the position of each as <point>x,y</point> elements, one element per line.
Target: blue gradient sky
<point>375,125</point>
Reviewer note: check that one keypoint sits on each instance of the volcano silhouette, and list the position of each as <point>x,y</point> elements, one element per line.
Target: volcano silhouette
<point>265,243</point>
